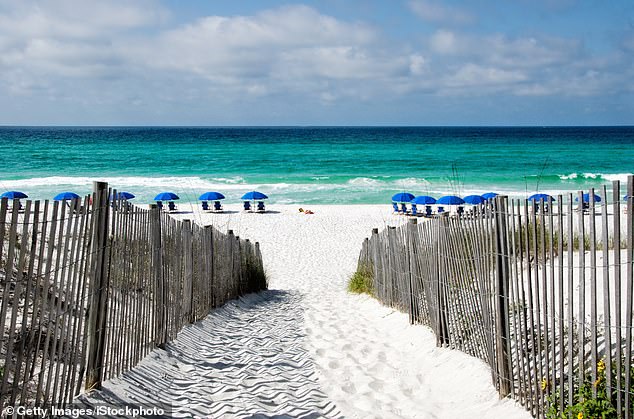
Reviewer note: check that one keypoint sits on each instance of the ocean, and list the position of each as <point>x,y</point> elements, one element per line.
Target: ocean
<point>319,165</point>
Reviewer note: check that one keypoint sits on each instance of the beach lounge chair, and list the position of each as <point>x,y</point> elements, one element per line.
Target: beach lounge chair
<point>395,206</point>
<point>217,206</point>
<point>261,206</point>
<point>460,210</point>
<point>247,205</point>
<point>171,206</point>
<point>440,210</point>
<point>414,210</point>
<point>428,210</point>
<point>403,209</point>
<point>205,206</point>
<point>159,204</point>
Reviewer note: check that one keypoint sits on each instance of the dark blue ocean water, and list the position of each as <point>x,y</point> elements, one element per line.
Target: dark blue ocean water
<point>314,164</point>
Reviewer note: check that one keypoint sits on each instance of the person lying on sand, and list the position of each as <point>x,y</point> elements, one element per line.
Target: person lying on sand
<point>306,211</point>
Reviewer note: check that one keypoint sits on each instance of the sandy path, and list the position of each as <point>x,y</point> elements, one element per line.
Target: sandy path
<point>308,348</point>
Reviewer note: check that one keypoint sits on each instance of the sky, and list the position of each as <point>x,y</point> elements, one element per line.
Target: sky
<point>328,62</point>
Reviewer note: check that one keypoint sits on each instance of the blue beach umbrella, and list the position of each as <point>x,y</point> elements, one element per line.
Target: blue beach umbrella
<point>474,199</point>
<point>14,195</point>
<point>539,196</point>
<point>211,196</point>
<point>586,198</point>
<point>625,198</point>
<point>125,195</point>
<point>424,200</point>
<point>66,195</point>
<point>489,195</point>
<point>253,196</point>
<point>166,196</point>
<point>450,200</point>
<point>403,197</point>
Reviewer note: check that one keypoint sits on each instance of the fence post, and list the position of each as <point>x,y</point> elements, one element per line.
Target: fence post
<point>376,269</point>
<point>409,246</point>
<point>160,323</point>
<point>189,270</point>
<point>96,327</point>
<point>442,333</point>
<point>502,285</point>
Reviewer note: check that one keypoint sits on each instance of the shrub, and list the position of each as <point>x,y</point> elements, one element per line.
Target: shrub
<point>362,280</point>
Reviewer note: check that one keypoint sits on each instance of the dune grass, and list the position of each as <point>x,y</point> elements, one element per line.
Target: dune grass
<point>362,281</point>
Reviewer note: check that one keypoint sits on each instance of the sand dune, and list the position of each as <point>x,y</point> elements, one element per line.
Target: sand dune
<point>307,348</point>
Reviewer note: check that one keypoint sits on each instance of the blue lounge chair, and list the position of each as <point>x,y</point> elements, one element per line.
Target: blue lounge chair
<point>395,206</point>
<point>171,206</point>
<point>247,205</point>
<point>261,206</point>
<point>205,205</point>
<point>414,210</point>
<point>460,210</point>
<point>440,210</point>
<point>159,204</point>
<point>428,210</point>
<point>403,209</point>
<point>217,206</point>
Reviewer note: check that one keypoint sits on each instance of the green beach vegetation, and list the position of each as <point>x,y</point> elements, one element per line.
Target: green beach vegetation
<point>362,281</point>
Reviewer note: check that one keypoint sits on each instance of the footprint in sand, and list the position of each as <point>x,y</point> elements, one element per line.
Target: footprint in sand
<point>349,388</point>
<point>376,385</point>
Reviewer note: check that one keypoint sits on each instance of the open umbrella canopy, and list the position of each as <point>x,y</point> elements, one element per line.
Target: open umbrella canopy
<point>14,195</point>
<point>125,195</point>
<point>625,198</point>
<point>253,196</point>
<point>403,197</point>
<point>586,198</point>
<point>66,195</point>
<point>211,196</point>
<point>166,196</point>
<point>539,196</point>
<point>474,199</point>
<point>450,200</point>
<point>424,200</point>
<point>489,195</point>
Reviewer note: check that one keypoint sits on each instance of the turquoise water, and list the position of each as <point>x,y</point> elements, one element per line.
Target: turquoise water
<point>314,165</point>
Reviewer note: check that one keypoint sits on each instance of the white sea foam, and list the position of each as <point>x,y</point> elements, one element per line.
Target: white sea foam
<point>621,177</point>
<point>364,181</point>
<point>592,175</point>
<point>607,177</point>
<point>230,180</point>
<point>416,183</point>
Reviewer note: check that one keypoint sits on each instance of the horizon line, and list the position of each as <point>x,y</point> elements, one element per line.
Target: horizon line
<point>312,126</point>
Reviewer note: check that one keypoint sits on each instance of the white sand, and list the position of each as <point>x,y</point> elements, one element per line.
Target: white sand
<point>307,348</point>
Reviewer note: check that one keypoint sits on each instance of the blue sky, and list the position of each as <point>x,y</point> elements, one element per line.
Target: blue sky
<point>329,62</point>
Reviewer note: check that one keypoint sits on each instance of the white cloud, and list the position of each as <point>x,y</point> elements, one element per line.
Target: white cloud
<point>445,42</point>
<point>417,64</point>
<point>470,75</point>
<point>78,19</point>
<point>282,48</point>
<point>435,11</point>
<point>252,45</point>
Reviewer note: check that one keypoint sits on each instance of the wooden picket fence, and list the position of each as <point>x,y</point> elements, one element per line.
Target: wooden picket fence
<point>90,287</point>
<point>542,294</point>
